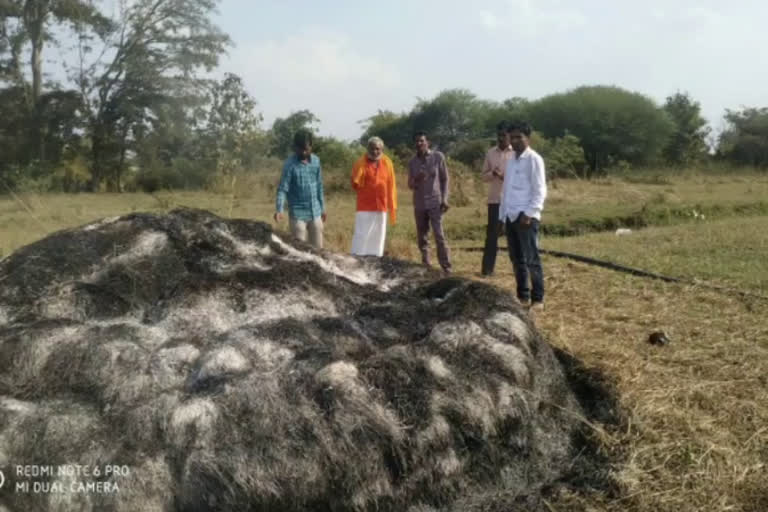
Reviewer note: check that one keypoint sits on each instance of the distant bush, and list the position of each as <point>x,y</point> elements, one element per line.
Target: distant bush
<point>24,178</point>
<point>471,152</point>
<point>183,173</point>
<point>157,178</point>
<point>71,175</point>
<point>403,153</point>
<point>563,157</point>
<point>612,124</point>
<point>745,139</point>
<point>648,178</point>
<point>334,153</point>
<point>261,164</point>
<point>462,183</point>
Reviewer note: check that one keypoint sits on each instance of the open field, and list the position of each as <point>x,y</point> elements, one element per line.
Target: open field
<point>730,252</point>
<point>696,436</point>
<point>572,205</point>
<point>696,430</point>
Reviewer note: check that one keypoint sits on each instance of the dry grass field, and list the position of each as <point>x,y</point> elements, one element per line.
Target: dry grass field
<point>695,435</point>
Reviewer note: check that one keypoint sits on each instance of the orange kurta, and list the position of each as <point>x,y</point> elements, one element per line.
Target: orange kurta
<point>375,186</point>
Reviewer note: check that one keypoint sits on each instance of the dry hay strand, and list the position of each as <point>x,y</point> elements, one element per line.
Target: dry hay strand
<point>693,435</point>
<point>234,369</point>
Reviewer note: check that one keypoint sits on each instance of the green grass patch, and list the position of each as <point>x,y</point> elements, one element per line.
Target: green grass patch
<point>655,215</point>
<point>732,252</point>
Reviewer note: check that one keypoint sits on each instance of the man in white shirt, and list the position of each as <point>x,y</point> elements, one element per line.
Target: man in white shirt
<point>522,199</point>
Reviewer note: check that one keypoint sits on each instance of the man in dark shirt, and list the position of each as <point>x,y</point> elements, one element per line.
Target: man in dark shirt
<point>428,178</point>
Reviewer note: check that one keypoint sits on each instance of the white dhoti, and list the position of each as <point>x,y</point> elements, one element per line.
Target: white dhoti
<point>370,233</point>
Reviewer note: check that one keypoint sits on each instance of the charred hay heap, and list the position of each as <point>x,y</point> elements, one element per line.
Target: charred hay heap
<point>232,369</point>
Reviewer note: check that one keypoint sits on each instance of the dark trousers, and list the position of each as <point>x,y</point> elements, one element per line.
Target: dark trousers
<point>523,243</point>
<point>434,217</point>
<point>492,231</point>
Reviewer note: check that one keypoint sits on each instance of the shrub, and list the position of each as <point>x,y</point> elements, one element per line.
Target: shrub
<point>471,152</point>
<point>337,154</point>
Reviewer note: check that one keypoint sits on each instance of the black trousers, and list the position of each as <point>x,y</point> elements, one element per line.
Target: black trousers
<point>492,231</point>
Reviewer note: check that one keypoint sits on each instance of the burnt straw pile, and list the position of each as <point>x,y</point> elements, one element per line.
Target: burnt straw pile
<point>227,367</point>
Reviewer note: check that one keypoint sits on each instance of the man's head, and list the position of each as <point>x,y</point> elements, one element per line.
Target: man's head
<point>421,141</point>
<point>518,135</point>
<point>375,148</point>
<point>502,135</point>
<point>302,144</point>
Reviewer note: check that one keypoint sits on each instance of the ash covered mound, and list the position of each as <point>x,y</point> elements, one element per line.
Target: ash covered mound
<point>229,368</point>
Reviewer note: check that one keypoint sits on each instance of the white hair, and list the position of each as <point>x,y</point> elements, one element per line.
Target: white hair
<point>375,140</point>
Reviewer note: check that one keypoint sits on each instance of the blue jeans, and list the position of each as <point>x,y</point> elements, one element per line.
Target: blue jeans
<point>523,245</point>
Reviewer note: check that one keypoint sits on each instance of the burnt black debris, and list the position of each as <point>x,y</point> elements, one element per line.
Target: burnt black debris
<point>658,338</point>
<point>232,368</point>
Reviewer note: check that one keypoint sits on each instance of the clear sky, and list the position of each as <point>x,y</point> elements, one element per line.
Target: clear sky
<point>344,60</point>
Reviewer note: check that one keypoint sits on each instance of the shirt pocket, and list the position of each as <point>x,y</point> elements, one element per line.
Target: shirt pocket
<point>303,185</point>
<point>518,180</point>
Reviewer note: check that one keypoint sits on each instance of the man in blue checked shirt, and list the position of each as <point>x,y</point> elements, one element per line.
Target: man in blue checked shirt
<point>302,185</point>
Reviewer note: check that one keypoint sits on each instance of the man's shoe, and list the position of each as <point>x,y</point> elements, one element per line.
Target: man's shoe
<point>536,307</point>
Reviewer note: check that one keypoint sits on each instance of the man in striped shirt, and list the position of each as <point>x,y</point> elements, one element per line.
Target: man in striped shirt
<point>301,184</point>
<point>493,173</point>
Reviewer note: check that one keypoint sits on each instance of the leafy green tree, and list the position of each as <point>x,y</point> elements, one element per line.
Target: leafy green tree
<point>745,140</point>
<point>472,152</point>
<point>56,128</point>
<point>233,124</point>
<point>512,109</point>
<point>26,28</point>
<point>612,124</point>
<point>283,130</point>
<point>154,57</point>
<point>14,132</point>
<point>169,152</point>
<point>337,154</point>
<point>563,156</point>
<point>687,145</point>
<point>394,129</point>
<point>27,25</point>
<point>452,116</point>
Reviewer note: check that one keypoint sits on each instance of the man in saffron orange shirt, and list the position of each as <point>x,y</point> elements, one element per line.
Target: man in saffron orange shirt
<point>373,177</point>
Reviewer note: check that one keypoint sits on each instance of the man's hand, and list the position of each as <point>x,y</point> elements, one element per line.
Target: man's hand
<point>278,216</point>
<point>525,220</point>
<point>324,216</point>
<point>444,207</point>
<point>497,172</point>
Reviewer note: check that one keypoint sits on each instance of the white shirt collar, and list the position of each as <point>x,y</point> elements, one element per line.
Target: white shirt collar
<point>524,154</point>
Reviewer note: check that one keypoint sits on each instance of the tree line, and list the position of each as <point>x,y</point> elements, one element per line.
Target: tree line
<point>134,107</point>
